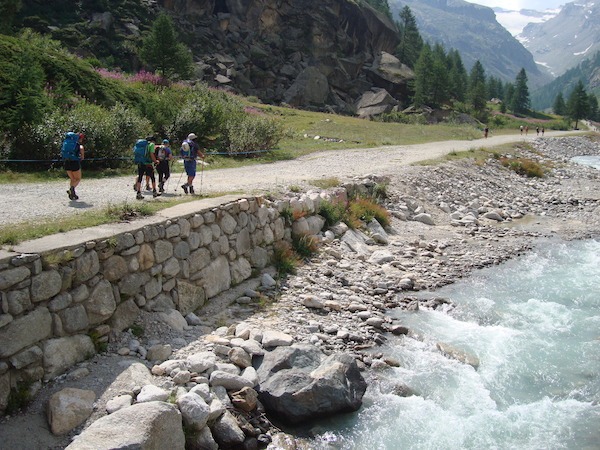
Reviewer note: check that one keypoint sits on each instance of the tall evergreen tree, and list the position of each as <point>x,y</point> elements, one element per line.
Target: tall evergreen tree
<point>162,50</point>
<point>559,107</point>
<point>520,100</point>
<point>439,83</point>
<point>476,94</point>
<point>578,103</point>
<point>457,76</point>
<point>509,91</point>
<point>23,102</point>
<point>423,77</point>
<point>410,45</point>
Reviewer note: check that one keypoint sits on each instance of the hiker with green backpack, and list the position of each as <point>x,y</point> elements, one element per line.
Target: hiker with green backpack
<point>72,152</point>
<point>145,158</point>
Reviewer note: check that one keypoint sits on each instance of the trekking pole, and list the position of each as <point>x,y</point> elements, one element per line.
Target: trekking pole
<point>180,176</point>
<point>201,176</point>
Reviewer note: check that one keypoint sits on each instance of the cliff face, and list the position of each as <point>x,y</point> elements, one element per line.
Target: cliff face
<point>302,52</point>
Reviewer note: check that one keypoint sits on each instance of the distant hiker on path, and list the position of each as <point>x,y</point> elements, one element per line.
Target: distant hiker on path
<point>526,129</point>
<point>145,157</point>
<point>537,131</point>
<point>486,130</point>
<point>163,155</point>
<point>190,150</point>
<point>73,152</point>
<point>521,128</point>
<point>543,129</point>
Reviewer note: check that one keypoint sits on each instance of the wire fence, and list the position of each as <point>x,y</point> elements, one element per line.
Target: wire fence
<point>124,158</point>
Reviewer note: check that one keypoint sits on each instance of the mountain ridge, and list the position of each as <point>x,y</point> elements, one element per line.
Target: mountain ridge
<point>474,31</point>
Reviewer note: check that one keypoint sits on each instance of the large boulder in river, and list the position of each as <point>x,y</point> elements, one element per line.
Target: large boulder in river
<point>296,386</point>
<point>142,426</point>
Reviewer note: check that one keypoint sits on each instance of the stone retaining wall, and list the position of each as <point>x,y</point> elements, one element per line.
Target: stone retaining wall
<point>56,306</point>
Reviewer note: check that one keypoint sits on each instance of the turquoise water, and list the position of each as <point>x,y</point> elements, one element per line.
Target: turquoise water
<point>593,161</point>
<point>534,325</point>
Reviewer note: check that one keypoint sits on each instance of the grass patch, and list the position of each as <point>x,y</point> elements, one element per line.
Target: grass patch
<point>524,166</point>
<point>305,246</point>
<point>332,212</point>
<point>285,259</point>
<point>364,209</point>
<point>326,183</point>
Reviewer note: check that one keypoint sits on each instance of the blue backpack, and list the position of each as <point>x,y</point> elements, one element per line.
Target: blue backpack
<point>70,147</point>
<point>140,151</point>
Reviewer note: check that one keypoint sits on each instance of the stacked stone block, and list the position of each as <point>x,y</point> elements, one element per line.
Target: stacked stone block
<point>57,306</point>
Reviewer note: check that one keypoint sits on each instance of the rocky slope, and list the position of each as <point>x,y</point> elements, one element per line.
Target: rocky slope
<point>324,55</point>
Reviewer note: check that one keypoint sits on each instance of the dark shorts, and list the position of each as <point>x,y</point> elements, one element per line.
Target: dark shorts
<point>190,167</point>
<point>72,165</point>
<point>145,169</point>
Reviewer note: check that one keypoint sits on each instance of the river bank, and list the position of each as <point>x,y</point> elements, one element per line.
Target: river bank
<point>448,220</point>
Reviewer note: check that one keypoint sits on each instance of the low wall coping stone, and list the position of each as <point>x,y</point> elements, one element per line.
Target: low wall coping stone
<point>76,238</point>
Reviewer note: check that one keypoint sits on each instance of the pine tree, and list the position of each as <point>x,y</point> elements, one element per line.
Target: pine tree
<point>23,102</point>
<point>439,83</point>
<point>559,106</point>
<point>578,103</point>
<point>162,50</point>
<point>423,77</point>
<point>476,94</point>
<point>520,100</point>
<point>457,76</point>
<point>411,43</point>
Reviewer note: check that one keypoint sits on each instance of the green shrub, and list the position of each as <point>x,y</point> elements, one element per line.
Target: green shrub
<point>366,209</point>
<point>305,245</point>
<point>523,166</point>
<point>285,259</point>
<point>332,212</point>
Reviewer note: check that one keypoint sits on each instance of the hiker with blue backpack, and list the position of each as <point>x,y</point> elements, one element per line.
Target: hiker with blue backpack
<point>190,150</point>
<point>145,158</point>
<point>72,152</point>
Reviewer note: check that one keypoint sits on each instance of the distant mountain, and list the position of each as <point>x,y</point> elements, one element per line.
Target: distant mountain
<point>567,39</point>
<point>588,71</point>
<point>515,21</point>
<point>474,31</point>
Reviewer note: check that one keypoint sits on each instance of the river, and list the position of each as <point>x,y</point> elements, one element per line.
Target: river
<point>534,325</point>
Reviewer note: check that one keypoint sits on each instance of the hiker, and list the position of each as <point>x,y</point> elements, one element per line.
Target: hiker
<point>543,129</point>
<point>145,158</point>
<point>521,128</point>
<point>163,155</point>
<point>190,150</point>
<point>526,129</point>
<point>486,130</point>
<point>537,131</point>
<point>73,152</point>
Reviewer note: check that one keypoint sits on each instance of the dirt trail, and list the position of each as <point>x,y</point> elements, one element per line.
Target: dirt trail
<point>34,201</point>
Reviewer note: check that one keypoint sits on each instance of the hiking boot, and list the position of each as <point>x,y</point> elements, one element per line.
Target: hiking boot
<point>192,190</point>
<point>155,194</point>
<point>148,187</point>
<point>185,188</point>
<point>70,194</point>
<point>161,186</point>
<point>139,196</point>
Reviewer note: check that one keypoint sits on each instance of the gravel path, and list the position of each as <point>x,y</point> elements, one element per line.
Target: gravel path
<point>32,201</point>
